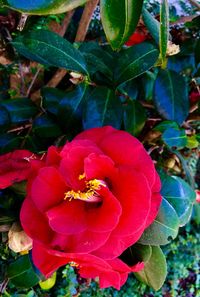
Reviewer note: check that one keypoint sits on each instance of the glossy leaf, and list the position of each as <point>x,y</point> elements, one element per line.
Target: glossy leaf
<point>21,273</point>
<point>9,142</point>
<point>50,49</point>
<point>164,30</point>
<point>164,125</point>
<point>175,137</point>
<point>134,117</point>
<point>43,7</point>
<point>155,270</point>
<point>197,52</point>
<point>44,126</point>
<point>51,98</point>
<point>152,24</point>
<point>119,20</point>
<point>134,61</point>
<point>164,228</point>
<point>171,96</point>
<point>180,195</point>
<point>102,107</point>
<point>69,113</point>
<point>4,119</point>
<point>20,110</point>
<point>136,253</point>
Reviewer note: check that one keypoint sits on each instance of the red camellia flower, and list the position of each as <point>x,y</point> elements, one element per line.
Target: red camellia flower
<point>136,38</point>
<point>14,167</point>
<point>90,201</point>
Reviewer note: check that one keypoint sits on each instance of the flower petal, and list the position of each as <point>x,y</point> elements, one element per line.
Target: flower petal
<point>48,188</point>
<point>68,218</point>
<point>34,222</point>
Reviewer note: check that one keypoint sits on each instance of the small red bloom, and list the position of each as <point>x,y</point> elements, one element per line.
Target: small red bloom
<point>14,167</point>
<point>89,202</point>
<point>197,196</point>
<point>136,38</point>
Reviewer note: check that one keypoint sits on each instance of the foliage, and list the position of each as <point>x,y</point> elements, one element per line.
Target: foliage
<point>150,90</point>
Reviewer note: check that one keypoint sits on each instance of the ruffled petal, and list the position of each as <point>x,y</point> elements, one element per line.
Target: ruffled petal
<point>35,223</point>
<point>68,218</point>
<point>48,188</point>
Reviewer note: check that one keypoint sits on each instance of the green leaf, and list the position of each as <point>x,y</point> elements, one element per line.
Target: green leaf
<point>180,195</point>
<point>152,24</point>
<point>102,107</point>
<point>119,20</point>
<point>20,109</point>
<point>171,96</point>
<point>51,98</point>
<point>4,119</point>
<point>44,126</point>
<point>18,267</point>
<point>136,253</point>
<point>9,142</point>
<point>134,61</point>
<point>50,49</point>
<point>134,117</point>
<point>192,142</point>
<point>164,228</point>
<point>43,7</point>
<point>21,273</point>
<point>165,125</point>
<point>164,30</point>
<point>69,113</point>
<point>175,137</point>
<point>155,270</point>
<point>197,52</point>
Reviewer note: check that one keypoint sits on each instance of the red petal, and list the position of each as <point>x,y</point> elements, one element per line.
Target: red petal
<point>48,189</point>
<point>14,167</point>
<point>53,157</point>
<point>34,223</point>
<point>132,190</point>
<point>98,166</point>
<point>105,217</point>
<point>68,217</point>
<point>84,242</point>
<point>72,164</point>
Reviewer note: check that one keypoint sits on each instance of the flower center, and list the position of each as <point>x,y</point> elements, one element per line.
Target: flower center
<point>90,194</point>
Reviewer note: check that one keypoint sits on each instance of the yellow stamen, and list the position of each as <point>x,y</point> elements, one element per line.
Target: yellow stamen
<point>90,194</point>
<point>81,176</point>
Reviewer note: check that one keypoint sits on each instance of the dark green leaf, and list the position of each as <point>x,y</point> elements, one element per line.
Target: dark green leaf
<point>136,253</point>
<point>95,64</point>
<point>152,24</point>
<point>164,30</point>
<point>51,99</point>
<point>197,52</point>
<point>130,89</point>
<point>21,273</point>
<point>50,49</point>
<point>175,137</point>
<point>4,119</point>
<point>165,125</point>
<point>180,195</point>
<point>43,7</point>
<point>134,61</point>
<point>9,142</point>
<point>20,110</point>
<point>69,107</point>
<point>21,265</point>
<point>44,126</point>
<point>119,19</point>
<point>134,117</point>
<point>155,270</point>
<point>171,96</point>
<point>102,107</point>
<point>164,228</point>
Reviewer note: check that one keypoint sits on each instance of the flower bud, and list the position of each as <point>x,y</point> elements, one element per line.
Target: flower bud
<point>18,240</point>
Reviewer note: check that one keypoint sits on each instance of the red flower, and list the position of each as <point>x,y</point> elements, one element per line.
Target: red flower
<point>136,38</point>
<point>14,167</point>
<point>89,202</point>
